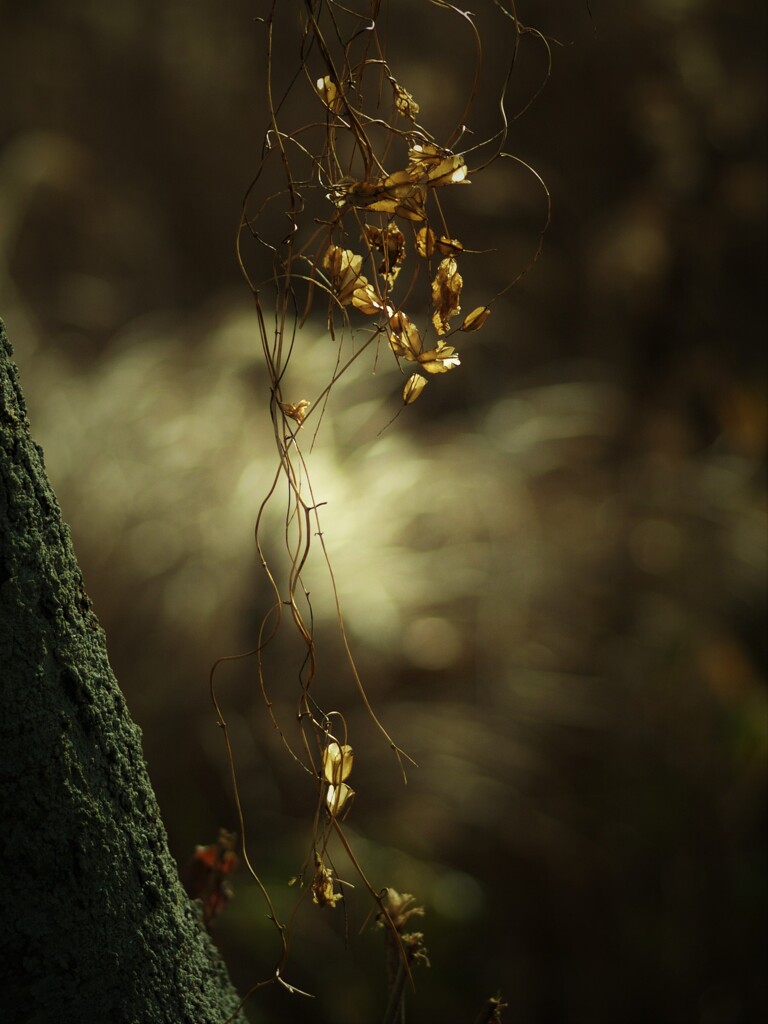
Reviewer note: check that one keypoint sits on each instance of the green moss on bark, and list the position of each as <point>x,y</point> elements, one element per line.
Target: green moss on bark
<point>97,927</point>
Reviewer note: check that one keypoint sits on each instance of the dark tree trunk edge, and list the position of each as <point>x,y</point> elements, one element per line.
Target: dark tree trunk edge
<point>97,927</point>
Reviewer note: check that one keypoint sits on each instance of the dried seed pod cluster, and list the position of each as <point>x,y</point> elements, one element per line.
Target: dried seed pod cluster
<point>349,206</point>
<point>403,195</point>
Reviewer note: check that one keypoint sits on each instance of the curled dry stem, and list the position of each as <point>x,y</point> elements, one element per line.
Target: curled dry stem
<point>354,220</point>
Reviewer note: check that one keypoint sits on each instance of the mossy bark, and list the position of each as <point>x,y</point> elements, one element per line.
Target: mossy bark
<point>96,926</point>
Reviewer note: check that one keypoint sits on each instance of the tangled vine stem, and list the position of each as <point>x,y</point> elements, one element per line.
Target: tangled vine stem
<point>365,190</point>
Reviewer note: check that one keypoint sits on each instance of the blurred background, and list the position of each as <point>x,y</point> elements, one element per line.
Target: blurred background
<point>552,567</point>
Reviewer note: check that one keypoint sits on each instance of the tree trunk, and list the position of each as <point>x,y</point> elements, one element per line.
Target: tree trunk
<point>96,926</point>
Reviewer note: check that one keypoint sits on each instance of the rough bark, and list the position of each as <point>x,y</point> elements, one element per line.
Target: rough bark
<point>96,926</point>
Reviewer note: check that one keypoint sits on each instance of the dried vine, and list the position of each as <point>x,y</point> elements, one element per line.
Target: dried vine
<point>352,208</point>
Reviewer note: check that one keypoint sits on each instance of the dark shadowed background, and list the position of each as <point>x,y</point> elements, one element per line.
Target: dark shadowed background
<point>552,568</point>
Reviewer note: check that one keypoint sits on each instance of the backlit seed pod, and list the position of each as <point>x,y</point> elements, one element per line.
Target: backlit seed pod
<point>337,762</point>
<point>329,94</point>
<point>337,797</point>
<point>474,321</point>
<point>413,388</point>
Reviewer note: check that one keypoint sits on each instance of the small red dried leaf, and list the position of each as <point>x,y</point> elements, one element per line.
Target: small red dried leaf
<point>204,876</point>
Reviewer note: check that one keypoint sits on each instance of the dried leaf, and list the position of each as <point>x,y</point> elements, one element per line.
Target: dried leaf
<point>405,104</point>
<point>400,908</point>
<point>449,172</point>
<point>437,166</point>
<point>404,193</point>
<point>322,886</point>
<point>404,337</point>
<point>474,321</point>
<point>440,359</point>
<point>400,185</point>
<point>343,267</point>
<point>396,195</point>
<point>296,412</point>
<point>349,285</point>
<point>425,242</point>
<point>407,195</point>
<point>413,388</point>
<point>329,94</point>
<point>366,300</point>
<point>446,292</point>
<point>449,246</point>
<point>390,242</point>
